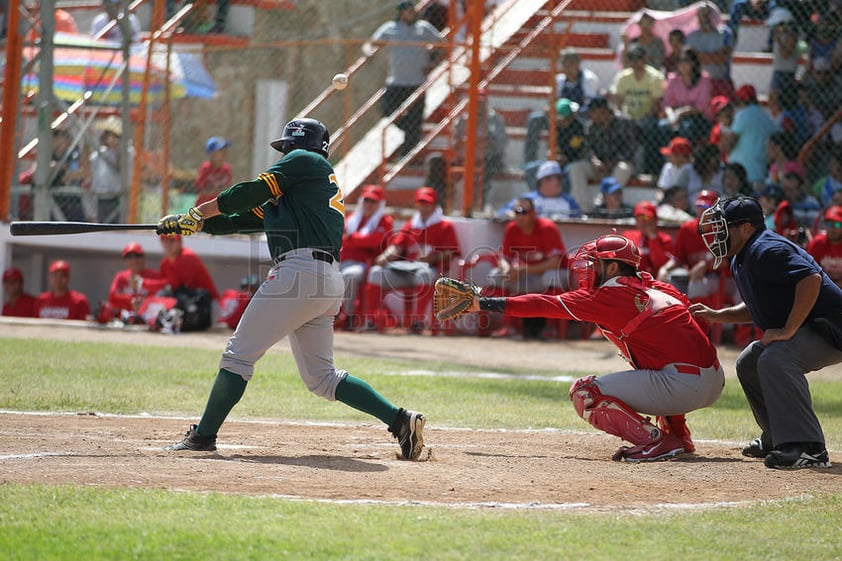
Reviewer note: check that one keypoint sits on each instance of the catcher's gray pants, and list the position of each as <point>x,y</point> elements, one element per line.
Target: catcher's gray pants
<point>773,379</point>
<point>665,392</point>
<point>298,299</point>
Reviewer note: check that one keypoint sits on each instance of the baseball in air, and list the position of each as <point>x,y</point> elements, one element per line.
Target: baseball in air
<point>340,81</point>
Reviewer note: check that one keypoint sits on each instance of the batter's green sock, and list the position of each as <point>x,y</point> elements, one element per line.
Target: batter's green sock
<point>226,392</point>
<point>359,395</point>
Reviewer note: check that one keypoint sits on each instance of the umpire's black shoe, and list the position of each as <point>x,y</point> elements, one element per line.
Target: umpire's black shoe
<point>195,442</point>
<point>408,428</point>
<point>756,449</point>
<point>796,457</point>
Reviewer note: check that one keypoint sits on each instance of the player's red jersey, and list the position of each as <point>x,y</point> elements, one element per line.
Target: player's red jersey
<point>122,291</point>
<point>414,242</point>
<point>26,306</point>
<point>828,255</point>
<point>365,246</point>
<point>73,305</point>
<point>654,252</point>
<point>647,319</point>
<point>544,242</point>
<point>188,270</point>
<point>689,248</point>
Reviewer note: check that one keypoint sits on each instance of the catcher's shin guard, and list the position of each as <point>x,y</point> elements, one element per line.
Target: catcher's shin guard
<point>609,414</point>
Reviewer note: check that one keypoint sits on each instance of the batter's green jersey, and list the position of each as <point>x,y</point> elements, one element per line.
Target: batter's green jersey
<point>297,202</point>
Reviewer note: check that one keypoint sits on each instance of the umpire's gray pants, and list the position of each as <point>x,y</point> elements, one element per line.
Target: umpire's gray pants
<point>773,379</point>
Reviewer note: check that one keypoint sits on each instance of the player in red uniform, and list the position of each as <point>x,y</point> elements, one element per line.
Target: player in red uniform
<point>655,246</point>
<point>133,284</point>
<point>16,302</point>
<point>674,367</point>
<point>183,268</point>
<point>60,302</point>
<point>215,173</point>
<point>826,246</point>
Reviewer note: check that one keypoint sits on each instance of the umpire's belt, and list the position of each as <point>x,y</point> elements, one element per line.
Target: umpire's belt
<point>318,254</point>
<point>692,369</point>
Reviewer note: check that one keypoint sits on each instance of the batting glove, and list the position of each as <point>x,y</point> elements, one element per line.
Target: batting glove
<point>181,224</point>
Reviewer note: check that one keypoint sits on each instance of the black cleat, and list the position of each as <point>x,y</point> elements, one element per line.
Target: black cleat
<point>195,442</point>
<point>408,428</point>
<point>796,457</point>
<point>756,449</point>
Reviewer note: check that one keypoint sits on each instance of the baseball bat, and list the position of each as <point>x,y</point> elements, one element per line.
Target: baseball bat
<point>36,228</point>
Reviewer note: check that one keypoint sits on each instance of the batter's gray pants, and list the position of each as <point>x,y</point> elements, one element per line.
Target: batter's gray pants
<point>773,379</point>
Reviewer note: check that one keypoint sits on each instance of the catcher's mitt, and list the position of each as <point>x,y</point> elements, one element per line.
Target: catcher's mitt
<point>453,298</point>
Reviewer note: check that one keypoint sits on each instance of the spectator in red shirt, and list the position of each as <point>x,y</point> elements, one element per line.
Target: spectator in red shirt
<point>531,260</point>
<point>133,284</point>
<point>421,251</point>
<point>16,302</point>
<point>367,230</point>
<point>215,173</point>
<point>826,246</point>
<point>183,268</point>
<point>60,302</point>
<point>655,246</point>
<point>723,113</point>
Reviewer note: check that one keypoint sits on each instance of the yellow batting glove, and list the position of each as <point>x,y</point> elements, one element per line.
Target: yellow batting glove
<point>181,224</point>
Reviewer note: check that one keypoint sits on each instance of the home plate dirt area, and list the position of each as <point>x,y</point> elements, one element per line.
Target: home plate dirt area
<point>357,461</point>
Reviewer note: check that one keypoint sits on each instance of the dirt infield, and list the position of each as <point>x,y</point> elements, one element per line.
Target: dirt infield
<point>356,462</point>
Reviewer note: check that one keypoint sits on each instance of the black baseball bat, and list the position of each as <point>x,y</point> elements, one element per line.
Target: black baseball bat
<point>36,228</point>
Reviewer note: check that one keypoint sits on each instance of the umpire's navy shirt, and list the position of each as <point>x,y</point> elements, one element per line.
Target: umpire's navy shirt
<point>766,272</point>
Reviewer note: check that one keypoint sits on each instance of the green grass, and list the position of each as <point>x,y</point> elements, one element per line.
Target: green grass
<point>70,523</point>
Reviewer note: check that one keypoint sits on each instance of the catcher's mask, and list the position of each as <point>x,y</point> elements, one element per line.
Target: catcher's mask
<point>307,134</point>
<point>715,221</point>
<point>611,247</point>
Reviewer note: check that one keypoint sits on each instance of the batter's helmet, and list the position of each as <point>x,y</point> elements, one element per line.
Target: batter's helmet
<point>307,134</point>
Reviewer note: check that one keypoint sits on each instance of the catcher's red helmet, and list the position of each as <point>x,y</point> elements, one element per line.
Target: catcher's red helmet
<point>609,247</point>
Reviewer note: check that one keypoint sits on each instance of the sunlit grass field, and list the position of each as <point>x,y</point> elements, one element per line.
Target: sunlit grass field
<point>70,523</point>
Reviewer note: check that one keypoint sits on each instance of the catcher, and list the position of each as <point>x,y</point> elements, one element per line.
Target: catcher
<point>674,367</point>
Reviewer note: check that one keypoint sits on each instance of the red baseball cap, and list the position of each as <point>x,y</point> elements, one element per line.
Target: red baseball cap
<point>133,248</point>
<point>706,199</point>
<point>60,265</point>
<point>793,167</point>
<point>373,192</point>
<point>646,208</point>
<point>678,145</point>
<point>833,214</point>
<point>426,195</point>
<point>746,93</point>
<point>719,103</point>
<point>12,274</point>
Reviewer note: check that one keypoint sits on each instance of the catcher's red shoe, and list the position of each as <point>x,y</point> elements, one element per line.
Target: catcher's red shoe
<point>663,447</point>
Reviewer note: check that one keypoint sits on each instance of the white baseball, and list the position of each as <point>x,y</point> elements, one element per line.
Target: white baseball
<point>340,81</point>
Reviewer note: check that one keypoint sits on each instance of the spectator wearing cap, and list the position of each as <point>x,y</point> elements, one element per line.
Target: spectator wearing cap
<point>784,53</point>
<point>16,302</point>
<point>570,139</point>
<point>788,296</point>
<point>691,266</point>
<point>611,204</point>
<point>133,284</point>
<point>215,173</point>
<point>367,231</point>
<point>705,171</point>
<point>723,117</point>
<point>825,188</point>
<point>106,169</point>
<point>612,143</point>
<point>714,44</point>
<point>655,246</point>
<point>549,199</point>
<point>112,10</point>
<point>805,207</point>
<point>769,198</point>
<point>60,302</point>
<point>417,254</point>
<point>826,246</point>
<point>574,83</point>
<point>678,154</point>
<point>746,141</point>
<point>183,269</point>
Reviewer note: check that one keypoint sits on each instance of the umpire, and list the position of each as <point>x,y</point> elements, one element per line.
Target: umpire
<point>787,294</point>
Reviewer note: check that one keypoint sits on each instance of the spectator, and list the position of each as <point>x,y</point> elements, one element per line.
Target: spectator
<point>676,39</point>
<point>367,231</point>
<point>754,9</point>
<point>792,116</point>
<point>823,88</point>
<point>769,199</point>
<point>183,269</point>
<point>197,21</point>
<point>826,246</point>
<point>112,11</point>
<point>570,139</point>
<point>781,149</point>
<point>421,251</point>
<point>532,260</point>
<point>674,205</point>
<point>133,284</point>
<point>60,302</point>
<point>408,67</point>
<point>735,180</point>
<point>705,173</point>
<point>233,303</point>
<point>549,199</point>
<point>805,207</point>
<point>655,246</point>
<point>687,96</point>
<point>746,142</point>
<point>577,84</point>
<point>652,44</point>
<point>825,45</point>
<point>784,53</point>
<point>723,114</point>
<point>678,158</point>
<point>825,187</point>
<point>612,142</point>
<point>215,173</point>
<point>714,45</point>
<point>16,302</point>
<point>67,168</point>
<point>612,204</point>
<point>106,169</point>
